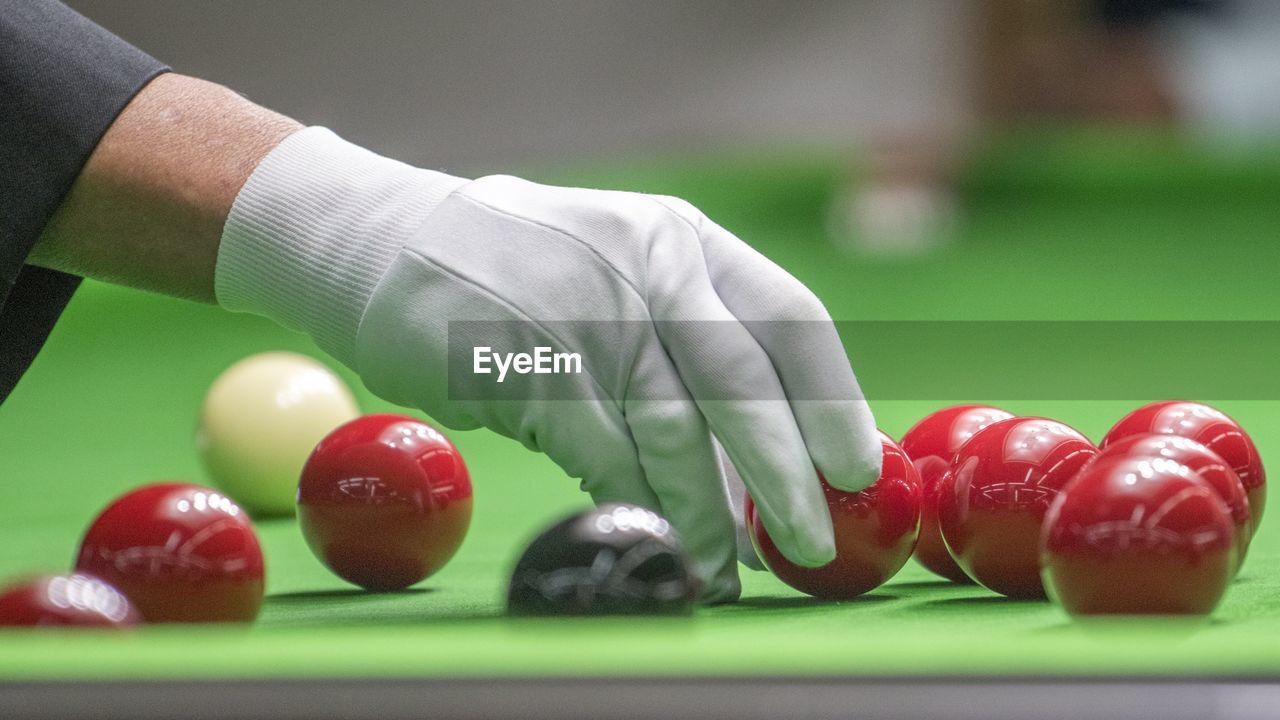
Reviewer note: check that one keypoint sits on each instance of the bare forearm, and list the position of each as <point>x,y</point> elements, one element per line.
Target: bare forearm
<point>148,209</point>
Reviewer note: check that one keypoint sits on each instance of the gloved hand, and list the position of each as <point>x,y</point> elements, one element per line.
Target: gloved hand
<point>375,259</point>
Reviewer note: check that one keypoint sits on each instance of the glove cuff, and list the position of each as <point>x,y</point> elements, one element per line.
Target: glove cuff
<point>315,228</point>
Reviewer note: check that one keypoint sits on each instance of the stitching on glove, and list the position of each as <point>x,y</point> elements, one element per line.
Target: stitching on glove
<point>563,233</point>
<point>414,255</point>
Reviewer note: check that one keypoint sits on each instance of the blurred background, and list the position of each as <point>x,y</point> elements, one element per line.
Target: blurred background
<point>908,94</point>
<point>479,85</point>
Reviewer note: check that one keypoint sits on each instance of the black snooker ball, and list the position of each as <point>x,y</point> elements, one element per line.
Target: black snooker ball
<point>613,560</point>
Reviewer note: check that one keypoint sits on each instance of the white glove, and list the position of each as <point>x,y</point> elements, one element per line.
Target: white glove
<point>374,259</point>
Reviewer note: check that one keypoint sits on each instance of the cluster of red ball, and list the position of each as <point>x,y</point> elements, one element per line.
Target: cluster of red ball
<point>1155,519</point>
<point>168,552</point>
<point>384,501</point>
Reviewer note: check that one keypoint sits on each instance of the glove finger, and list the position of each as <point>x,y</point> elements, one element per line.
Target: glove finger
<point>591,441</point>
<point>681,466</point>
<point>735,387</point>
<point>737,495</point>
<point>795,330</point>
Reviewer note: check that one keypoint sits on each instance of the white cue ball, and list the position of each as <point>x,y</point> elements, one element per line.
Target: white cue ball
<point>260,421</point>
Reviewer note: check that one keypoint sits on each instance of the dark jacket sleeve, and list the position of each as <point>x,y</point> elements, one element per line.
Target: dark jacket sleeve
<point>63,80</point>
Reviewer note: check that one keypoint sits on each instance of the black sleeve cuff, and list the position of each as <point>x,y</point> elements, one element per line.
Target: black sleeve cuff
<point>63,81</point>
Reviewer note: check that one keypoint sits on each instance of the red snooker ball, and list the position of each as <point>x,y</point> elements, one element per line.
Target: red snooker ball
<point>1135,535</point>
<point>1209,427</point>
<point>180,552</point>
<point>1204,463</point>
<point>931,444</point>
<point>875,531</point>
<point>993,498</point>
<point>384,501</point>
<point>66,600</point>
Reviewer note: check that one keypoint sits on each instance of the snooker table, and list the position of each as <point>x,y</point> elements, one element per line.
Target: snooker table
<point>1073,225</point>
